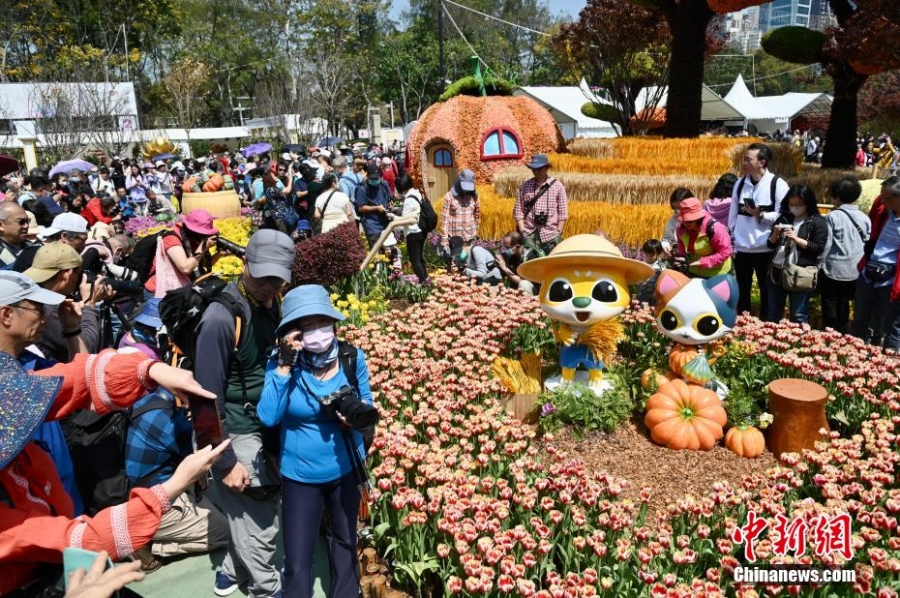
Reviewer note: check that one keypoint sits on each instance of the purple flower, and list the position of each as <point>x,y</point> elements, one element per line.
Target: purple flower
<point>547,409</point>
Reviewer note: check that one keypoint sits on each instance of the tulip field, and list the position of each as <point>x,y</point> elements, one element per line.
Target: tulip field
<point>468,500</point>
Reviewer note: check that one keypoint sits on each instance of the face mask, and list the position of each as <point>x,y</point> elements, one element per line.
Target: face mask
<point>797,212</point>
<point>75,179</point>
<point>507,252</point>
<point>374,183</point>
<point>318,340</point>
<point>463,256</point>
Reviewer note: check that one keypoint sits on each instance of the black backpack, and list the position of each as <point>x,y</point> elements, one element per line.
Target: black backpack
<point>427,216</point>
<point>97,446</point>
<point>182,309</point>
<point>143,255</point>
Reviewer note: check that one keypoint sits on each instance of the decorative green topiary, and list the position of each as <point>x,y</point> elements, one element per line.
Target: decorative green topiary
<point>600,111</point>
<point>469,86</point>
<point>799,45</point>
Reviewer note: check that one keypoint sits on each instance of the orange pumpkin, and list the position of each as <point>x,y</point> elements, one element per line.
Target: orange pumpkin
<point>680,356</point>
<point>213,183</point>
<point>651,378</point>
<point>745,441</point>
<point>681,416</point>
<point>189,184</point>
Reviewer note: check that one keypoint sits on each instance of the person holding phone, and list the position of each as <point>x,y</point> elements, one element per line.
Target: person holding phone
<point>323,410</point>
<point>36,513</point>
<point>755,205</point>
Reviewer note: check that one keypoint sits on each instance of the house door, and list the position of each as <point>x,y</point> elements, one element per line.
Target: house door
<point>440,170</point>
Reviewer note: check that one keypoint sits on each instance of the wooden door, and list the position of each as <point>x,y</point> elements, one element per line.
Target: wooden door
<point>440,170</point>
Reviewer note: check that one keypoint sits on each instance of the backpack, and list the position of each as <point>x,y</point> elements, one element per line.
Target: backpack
<point>427,215</point>
<point>97,446</point>
<point>182,309</point>
<point>770,207</point>
<point>143,255</point>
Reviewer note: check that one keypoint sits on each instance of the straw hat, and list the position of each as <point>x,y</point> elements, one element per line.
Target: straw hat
<point>586,252</point>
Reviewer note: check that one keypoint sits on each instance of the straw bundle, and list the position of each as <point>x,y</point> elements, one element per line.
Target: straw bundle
<point>521,376</point>
<point>710,150</point>
<point>629,224</point>
<point>614,189</point>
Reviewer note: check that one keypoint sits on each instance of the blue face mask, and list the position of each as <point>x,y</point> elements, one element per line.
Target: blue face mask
<point>374,183</point>
<point>463,256</point>
<point>507,252</point>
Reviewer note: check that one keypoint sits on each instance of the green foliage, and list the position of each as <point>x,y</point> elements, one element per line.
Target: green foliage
<point>200,147</point>
<point>798,45</point>
<point>600,111</point>
<point>469,86</point>
<point>576,405</point>
<point>531,338</point>
<point>772,76</point>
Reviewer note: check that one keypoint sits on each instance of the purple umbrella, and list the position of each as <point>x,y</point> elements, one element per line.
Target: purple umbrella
<point>68,166</point>
<point>256,148</point>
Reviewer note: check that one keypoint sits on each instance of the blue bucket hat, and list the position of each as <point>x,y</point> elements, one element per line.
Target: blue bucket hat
<point>307,300</point>
<point>149,316</point>
<point>25,400</point>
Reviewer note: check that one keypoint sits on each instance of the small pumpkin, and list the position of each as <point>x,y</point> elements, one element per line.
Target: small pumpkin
<point>213,183</point>
<point>745,441</point>
<point>680,356</point>
<point>690,363</point>
<point>685,416</point>
<point>651,378</point>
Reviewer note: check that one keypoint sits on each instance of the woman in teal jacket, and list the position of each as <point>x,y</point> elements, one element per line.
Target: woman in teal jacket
<point>319,471</point>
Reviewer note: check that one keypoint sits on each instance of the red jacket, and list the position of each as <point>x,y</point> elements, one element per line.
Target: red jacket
<point>879,215</point>
<point>39,524</point>
<point>93,213</point>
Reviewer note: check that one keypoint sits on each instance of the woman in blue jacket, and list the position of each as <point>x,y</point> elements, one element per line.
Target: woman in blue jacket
<point>319,471</point>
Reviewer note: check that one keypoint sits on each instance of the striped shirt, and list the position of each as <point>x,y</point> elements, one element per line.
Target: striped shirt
<point>554,203</point>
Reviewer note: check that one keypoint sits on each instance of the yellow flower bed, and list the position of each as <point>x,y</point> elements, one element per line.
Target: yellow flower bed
<point>237,229</point>
<point>355,309</point>
<point>229,266</point>
<point>631,224</point>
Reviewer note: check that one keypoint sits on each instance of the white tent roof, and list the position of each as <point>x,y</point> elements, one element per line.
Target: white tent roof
<point>714,106</point>
<point>567,101</point>
<point>781,108</point>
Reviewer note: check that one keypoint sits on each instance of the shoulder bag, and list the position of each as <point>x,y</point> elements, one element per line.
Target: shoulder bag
<point>799,279</point>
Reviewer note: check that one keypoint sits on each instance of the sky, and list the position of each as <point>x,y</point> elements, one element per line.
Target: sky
<point>566,7</point>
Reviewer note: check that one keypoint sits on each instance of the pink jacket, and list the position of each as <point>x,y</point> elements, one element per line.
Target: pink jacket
<point>720,242</point>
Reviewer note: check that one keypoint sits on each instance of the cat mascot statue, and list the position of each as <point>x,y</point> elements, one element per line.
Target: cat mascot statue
<point>695,313</point>
<point>584,289</point>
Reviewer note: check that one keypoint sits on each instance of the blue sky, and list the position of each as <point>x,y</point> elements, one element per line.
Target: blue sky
<point>568,7</point>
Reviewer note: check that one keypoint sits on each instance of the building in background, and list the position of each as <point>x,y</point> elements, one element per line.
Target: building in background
<point>743,30</point>
<point>815,14</point>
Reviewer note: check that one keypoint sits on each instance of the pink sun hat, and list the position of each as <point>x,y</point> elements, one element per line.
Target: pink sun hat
<point>200,222</point>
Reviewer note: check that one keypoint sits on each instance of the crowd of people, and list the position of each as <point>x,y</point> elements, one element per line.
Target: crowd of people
<point>281,413</point>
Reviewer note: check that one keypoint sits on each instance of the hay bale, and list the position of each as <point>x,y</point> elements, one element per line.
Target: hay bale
<point>674,166</point>
<point>616,189</point>
<point>591,148</point>
<point>819,179</point>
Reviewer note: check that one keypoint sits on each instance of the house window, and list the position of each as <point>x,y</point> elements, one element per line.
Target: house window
<point>443,159</point>
<point>501,143</point>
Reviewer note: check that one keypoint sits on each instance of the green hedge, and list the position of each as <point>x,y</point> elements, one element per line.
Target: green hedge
<point>469,86</point>
<point>799,45</point>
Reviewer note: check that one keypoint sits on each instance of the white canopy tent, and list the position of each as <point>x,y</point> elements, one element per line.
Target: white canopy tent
<point>565,103</point>
<point>770,113</point>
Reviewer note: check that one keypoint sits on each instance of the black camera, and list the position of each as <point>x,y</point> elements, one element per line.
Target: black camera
<point>540,219</point>
<point>232,248</point>
<point>358,415</point>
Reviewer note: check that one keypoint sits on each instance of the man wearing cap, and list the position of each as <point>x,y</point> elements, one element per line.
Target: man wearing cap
<point>704,245</point>
<point>36,514</point>
<point>542,207</point>
<point>461,212</point>
<point>73,327</point>
<point>389,173</point>
<point>475,261</point>
<point>14,233</point>
<point>67,229</point>
<point>163,181</point>
<point>248,485</point>
<point>372,201</point>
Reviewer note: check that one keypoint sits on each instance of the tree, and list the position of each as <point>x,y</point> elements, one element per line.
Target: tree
<point>622,49</point>
<point>186,84</point>
<point>879,104</point>
<point>695,32</point>
<point>850,53</point>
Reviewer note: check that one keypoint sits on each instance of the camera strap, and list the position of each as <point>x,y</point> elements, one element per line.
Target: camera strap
<point>529,207</point>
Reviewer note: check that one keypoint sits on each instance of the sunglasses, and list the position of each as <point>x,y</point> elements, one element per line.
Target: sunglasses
<point>22,221</point>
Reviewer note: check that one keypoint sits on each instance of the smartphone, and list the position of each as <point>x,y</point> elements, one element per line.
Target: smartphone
<point>207,421</point>
<point>748,201</point>
<point>77,558</point>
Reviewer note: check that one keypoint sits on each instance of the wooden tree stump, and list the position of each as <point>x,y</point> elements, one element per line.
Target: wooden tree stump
<point>798,409</point>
